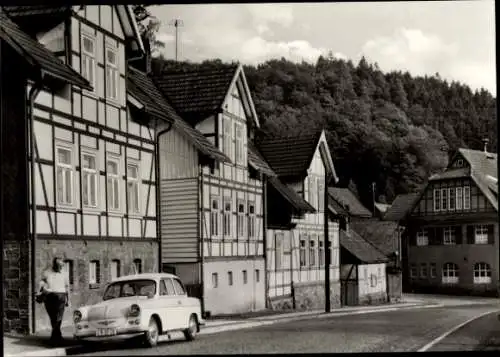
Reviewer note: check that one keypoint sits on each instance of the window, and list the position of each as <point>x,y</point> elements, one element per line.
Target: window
<point>373,280</point>
<point>302,253</point>
<point>88,59</point>
<point>64,176</point>
<point>133,188</point>
<point>449,236</point>
<point>460,198</point>
<point>214,217</point>
<point>444,199</point>
<point>433,270</point>
<point>481,234</point>
<point>240,147</point>
<point>321,194</point>
<point>227,216</point>
<point>312,251</point>
<point>167,287</point>
<point>451,198</point>
<point>278,252</point>
<point>450,273</point>
<point>482,273</point>
<point>179,288</point>
<point>113,181</point>
<point>215,280</point>
<point>111,73</point>
<point>460,163</point>
<point>89,180</point>
<point>437,200</point>
<point>241,219</point>
<point>137,266</point>
<point>321,252</point>
<point>68,271</point>
<point>228,138</point>
<point>423,237</point>
<point>257,275</point>
<point>413,271</point>
<point>230,278</point>
<point>330,253</point>
<point>114,269</point>
<point>423,270</point>
<point>245,277</point>
<point>251,220</point>
<point>94,272</point>
<point>467,197</point>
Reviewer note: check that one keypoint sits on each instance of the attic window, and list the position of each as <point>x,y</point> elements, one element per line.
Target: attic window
<point>460,163</point>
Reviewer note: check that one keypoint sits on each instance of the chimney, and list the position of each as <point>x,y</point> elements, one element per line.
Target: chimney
<point>485,142</point>
<point>147,55</point>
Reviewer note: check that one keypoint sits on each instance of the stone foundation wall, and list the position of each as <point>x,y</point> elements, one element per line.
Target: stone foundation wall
<point>81,253</point>
<point>17,290</point>
<point>281,303</point>
<point>373,299</point>
<point>309,296</point>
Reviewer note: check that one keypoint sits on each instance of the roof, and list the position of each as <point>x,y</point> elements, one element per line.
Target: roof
<point>291,196</point>
<point>360,248</point>
<point>289,155</point>
<point>451,173</point>
<point>36,54</point>
<point>401,206</point>
<point>24,10</point>
<point>381,234</point>
<point>143,89</point>
<point>349,202</point>
<point>256,160</point>
<point>194,92</point>
<point>153,276</point>
<point>382,207</point>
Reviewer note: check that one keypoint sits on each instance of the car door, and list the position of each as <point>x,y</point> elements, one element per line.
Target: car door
<point>185,309</point>
<point>169,306</point>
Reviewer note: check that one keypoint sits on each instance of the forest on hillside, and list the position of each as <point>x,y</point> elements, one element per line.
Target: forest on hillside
<point>389,128</point>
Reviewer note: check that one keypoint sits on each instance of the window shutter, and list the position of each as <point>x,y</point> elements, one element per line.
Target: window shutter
<point>438,236</point>
<point>413,239</point>
<point>458,234</point>
<point>491,236</point>
<point>432,234</point>
<point>470,234</point>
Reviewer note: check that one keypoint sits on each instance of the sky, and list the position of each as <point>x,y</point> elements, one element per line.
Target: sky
<point>453,38</point>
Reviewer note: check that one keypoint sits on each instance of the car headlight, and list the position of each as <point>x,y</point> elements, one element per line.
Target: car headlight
<point>135,310</point>
<point>77,316</point>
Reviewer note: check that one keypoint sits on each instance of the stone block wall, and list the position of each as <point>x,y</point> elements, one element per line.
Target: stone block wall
<point>373,299</point>
<point>81,253</point>
<point>311,295</point>
<point>17,291</point>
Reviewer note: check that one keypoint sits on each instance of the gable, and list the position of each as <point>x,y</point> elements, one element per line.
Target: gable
<point>458,161</point>
<point>322,159</point>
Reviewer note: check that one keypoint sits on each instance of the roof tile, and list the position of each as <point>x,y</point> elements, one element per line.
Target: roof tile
<point>291,196</point>
<point>360,248</point>
<point>349,202</point>
<point>381,234</point>
<point>256,160</point>
<point>401,206</point>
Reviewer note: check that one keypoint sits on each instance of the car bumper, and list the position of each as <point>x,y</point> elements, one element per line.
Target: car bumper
<point>121,332</point>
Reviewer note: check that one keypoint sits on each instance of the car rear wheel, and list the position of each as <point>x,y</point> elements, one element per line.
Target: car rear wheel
<point>192,329</point>
<point>151,336</point>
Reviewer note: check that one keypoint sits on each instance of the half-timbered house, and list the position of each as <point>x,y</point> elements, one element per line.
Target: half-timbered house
<point>453,240</point>
<point>295,244</point>
<point>92,200</point>
<point>212,211</point>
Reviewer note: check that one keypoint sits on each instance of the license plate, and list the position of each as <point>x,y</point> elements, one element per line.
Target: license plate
<point>106,332</point>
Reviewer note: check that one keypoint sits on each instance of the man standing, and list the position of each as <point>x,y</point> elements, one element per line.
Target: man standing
<point>55,288</point>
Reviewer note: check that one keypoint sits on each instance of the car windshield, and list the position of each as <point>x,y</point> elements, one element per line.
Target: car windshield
<point>139,287</point>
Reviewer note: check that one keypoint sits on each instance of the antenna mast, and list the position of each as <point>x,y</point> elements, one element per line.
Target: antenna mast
<point>176,23</point>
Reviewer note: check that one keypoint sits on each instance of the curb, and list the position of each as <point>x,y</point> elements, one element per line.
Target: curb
<point>232,326</point>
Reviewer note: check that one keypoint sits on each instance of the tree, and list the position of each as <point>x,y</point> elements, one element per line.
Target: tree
<point>148,27</point>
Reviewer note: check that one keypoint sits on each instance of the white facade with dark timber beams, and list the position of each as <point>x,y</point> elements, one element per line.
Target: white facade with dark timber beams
<point>94,163</point>
<point>212,212</point>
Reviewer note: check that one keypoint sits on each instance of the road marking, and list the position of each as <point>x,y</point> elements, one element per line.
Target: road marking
<point>454,329</point>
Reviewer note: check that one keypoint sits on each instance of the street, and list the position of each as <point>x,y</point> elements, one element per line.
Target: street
<point>391,331</point>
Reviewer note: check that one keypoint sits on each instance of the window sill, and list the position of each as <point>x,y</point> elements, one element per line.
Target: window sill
<point>94,286</point>
<point>115,213</point>
<point>113,102</point>
<point>66,209</point>
<point>91,210</point>
<point>93,95</point>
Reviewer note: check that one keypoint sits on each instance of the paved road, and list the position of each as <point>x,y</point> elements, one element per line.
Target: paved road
<point>394,331</point>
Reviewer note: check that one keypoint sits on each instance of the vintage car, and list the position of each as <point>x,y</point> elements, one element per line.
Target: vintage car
<point>142,305</point>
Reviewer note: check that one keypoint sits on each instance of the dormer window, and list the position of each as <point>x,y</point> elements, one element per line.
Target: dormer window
<point>88,59</point>
<point>111,73</point>
<point>460,163</point>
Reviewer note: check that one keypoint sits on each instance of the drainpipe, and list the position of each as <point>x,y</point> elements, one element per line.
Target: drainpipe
<point>158,189</point>
<point>33,93</point>
<point>201,237</point>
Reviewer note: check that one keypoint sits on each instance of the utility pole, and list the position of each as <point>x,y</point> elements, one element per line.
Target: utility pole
<point>176,23</point>
<point>373,197</point>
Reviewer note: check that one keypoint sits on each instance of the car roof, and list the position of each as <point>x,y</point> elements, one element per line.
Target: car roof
<point>153,276</point>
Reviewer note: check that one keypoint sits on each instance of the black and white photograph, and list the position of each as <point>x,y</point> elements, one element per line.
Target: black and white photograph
<point>249,178</point>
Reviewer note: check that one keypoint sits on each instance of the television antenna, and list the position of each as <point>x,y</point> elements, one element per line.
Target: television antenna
<point>176,23</point>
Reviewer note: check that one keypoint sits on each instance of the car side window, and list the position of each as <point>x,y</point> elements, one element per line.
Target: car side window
<point>179,289</point>
<point>166,287</point>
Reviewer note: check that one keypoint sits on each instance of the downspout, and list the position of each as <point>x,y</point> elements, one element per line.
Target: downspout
<point>327,249</point>
<point>201,235</point>
<point>158,189</point>
<point>264,240</point>
<point>33,93</point>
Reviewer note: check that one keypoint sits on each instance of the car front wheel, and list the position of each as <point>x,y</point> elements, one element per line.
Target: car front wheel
<point>192,329</point>
<point>151,336</point>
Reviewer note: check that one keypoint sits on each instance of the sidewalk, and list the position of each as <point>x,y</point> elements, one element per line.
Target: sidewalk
<point>37,345</point>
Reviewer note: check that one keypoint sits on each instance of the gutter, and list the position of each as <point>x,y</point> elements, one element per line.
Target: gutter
<point>158,190</point>
<point>34,91</point>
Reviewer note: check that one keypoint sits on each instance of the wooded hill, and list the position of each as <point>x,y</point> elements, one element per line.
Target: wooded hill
<point>393,129</point>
